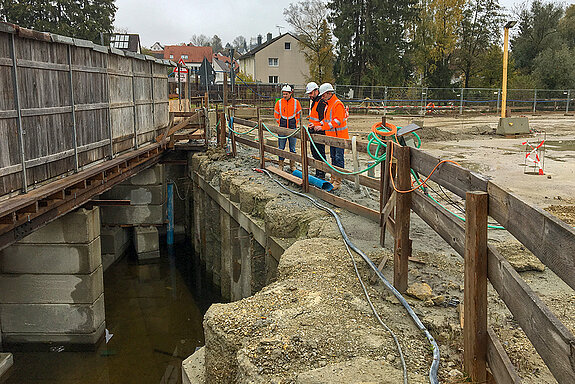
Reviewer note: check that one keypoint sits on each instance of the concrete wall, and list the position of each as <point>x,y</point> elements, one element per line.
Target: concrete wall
<point>51,283</point>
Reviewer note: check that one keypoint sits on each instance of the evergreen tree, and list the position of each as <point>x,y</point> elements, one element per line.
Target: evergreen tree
<point>216,44</point>
<point>84,19</point>
<point>372,43</point>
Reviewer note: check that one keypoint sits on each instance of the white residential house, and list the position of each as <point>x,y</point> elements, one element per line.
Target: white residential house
<point>278,60</point>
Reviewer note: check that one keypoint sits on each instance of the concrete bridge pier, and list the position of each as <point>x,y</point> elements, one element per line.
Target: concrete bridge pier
<point>146,191</point>
<point>51,284</point>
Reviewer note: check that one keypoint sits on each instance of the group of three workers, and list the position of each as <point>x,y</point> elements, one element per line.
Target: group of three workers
<point>327,116</point>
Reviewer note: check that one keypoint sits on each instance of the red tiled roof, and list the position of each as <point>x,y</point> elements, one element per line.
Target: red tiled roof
<point>195,54</point>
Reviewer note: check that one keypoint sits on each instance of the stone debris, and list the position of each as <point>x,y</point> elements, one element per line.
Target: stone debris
<point>421,291</point>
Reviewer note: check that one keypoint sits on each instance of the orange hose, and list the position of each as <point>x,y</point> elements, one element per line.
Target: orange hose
<point>393,129</point>
<point>424,181</point>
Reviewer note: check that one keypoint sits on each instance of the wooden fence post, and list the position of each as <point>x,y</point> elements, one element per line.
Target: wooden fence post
<point>261,139</point>
<point>402,248</point>
<point>223,129</point>
<point>17,105</point>
<point>475,293</point>
<point>384,190</point>
<point>304,163</point>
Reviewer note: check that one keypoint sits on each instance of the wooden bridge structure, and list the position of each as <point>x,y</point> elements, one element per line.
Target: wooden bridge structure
<point>75,119</point>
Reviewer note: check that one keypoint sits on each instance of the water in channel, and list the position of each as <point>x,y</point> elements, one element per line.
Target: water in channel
<point>154,312</point>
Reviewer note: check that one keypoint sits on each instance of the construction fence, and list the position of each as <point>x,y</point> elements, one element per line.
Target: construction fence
<point>395,100</point>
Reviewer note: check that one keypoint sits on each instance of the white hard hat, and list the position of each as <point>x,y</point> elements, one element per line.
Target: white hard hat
<point>310,87</point>
<point>286,88</point>
<point>325,87</point>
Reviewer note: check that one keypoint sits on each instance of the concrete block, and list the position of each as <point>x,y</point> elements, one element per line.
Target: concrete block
<point>51,258</point>
<point>85,339</point>
<point>6,361</point>
<point>51,289</point>
<point>150,176</point>
<point>114,240</point>
<point>193,368</point>
<point>146,239</point>
<point>138,195</point>
<point>512,126</point>
<point>148,255</point>
<point>139,214</point>
<point>35,319</point>
<point>80,226</point>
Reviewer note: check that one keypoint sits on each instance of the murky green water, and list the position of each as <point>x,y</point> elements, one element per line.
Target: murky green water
<point>154,312</point>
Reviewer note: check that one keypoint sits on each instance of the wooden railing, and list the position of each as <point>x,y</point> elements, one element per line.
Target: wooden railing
<point>550,239</point>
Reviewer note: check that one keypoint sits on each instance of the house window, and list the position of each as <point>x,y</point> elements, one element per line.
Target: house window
<point>171,56</point>
<point>287,45</point>
<point>120,41</point>
<point>273,62</point>
<point>184,56</point>
<point>273,80</point>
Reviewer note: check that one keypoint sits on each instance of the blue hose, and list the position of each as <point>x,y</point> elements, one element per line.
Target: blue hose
<point>315,181</point>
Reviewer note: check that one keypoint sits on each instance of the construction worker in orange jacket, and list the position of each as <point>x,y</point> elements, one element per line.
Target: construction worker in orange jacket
<point>287,112</point>
<point>334,124</point>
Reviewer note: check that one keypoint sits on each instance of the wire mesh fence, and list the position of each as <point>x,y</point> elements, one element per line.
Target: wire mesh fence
<point>400,100</point>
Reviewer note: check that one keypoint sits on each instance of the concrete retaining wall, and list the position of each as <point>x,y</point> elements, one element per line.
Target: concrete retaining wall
<point>51,283</point>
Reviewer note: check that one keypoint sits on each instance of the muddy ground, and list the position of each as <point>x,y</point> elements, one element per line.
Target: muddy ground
<point>471,142</point>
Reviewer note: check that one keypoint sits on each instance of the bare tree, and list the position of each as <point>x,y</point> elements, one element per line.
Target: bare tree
<point>240,44</point>
<point>200,40</point>
<point>309,20</point>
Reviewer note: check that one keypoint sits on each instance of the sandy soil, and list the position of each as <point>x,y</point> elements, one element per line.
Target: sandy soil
<point>471,142</point>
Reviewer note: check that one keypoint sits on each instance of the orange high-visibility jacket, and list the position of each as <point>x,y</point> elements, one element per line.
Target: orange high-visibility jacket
<point>287,112</point>
<point>334,122</point>
<point>315,116</point>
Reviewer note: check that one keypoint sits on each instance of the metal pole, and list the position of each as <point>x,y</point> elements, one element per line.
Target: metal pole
<point>170,209</point>
<point>179,88</point>
<point>207,80</point>
<point>461,102</point>
<point>355,161</point>
<point>18,112</point>
<point>498,100</point>
<point>385,101</point>
<point>134,102</point>
<point>189,90</point>
<point>421,106</point>
<point>74,127</point>
<point>568,100</point>
<point>535,101</point>
<point>504,85</point>
<point>233,75</point>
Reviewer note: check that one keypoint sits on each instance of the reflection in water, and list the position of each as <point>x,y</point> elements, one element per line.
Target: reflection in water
<point>154,312</point>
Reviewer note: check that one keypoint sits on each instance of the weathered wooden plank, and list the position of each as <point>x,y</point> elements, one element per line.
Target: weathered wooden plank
<point>552,340</point>
<point>91,107</point>
<point>45,111</point>
<point>457,179</point>
<point>10,114</point>
<point>350,206</point>
<point>41,65</point>
<point>369,182</point>
<point>402,244</point>
<point>285,175</point>
<point>276,151</point>
<point>549,238</point>
<point>499,363</point>
<point>475,292</point>
<point>5,61</point>
<point>123,104</point>
<point>87,69</point>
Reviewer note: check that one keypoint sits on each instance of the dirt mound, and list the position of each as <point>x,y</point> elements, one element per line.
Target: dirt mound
<point>436,134</point>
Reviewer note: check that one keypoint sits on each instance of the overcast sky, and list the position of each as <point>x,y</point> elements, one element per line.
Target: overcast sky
<point>175,21</point>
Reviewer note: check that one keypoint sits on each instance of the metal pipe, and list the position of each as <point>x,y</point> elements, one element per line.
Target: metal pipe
<point>170,210</point>
<point>74,127</point>
<point>18,112</point>
<point>568,100</point>
<point>385,101</point>
<point>534,101</point>
<point>461,102</point>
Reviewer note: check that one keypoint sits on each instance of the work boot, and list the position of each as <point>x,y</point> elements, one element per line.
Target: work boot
<point>336,182</point>
<point>292,166</point>
<point>281,165</point>
<point>320,174</point>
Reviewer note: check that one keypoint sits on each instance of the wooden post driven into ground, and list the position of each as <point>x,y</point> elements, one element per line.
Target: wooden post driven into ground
<point>475,293</point>
<point>261,139</point>
<point>304,164</point>
<point>384,190</point>
<point>223,133</point>
<point>402,246</point>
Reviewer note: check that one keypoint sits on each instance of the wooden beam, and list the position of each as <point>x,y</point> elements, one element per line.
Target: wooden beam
<point>345,204</point>
<point>182,124</point>
<point>261,139</point>
<point>475,293</point>
<point>369,182</point>
<point>402,244</point>
<point>499,363</point>
<point>285,175</point>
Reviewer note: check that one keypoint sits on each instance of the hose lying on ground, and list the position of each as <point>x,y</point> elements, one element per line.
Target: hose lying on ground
<point>435,363</point>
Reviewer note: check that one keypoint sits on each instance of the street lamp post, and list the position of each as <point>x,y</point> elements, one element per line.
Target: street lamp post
<point>509,25</point>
